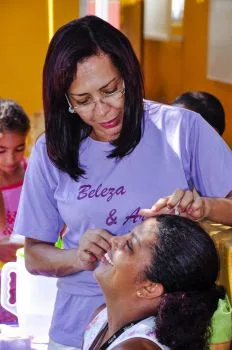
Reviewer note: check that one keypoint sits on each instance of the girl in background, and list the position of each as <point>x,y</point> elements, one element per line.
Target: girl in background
<point>14,128</point>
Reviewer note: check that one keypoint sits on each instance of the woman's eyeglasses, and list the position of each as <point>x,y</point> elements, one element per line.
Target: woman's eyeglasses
<point>88,105</point>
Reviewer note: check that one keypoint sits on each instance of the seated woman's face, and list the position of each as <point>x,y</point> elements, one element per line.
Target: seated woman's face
<point>122,268</point>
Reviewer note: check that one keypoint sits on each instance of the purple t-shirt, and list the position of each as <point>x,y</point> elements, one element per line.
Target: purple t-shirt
<point>178,150</point>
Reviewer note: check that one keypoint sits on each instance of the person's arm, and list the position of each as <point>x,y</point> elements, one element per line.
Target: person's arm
<point>137,344</point>
<point>219,209</point>
<point>44,258</point>
<point>8,250</point>
<point>191,204</point>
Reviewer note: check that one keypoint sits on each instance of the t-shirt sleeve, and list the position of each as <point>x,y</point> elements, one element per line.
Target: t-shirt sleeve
<point>210,160</point>
<point>37,215</point>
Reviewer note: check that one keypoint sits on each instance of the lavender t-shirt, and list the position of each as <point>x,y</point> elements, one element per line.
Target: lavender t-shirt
<point>178,150</point>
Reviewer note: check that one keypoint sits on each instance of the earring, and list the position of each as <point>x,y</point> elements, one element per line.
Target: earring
<point>71,109</point>
<point>139,294</point>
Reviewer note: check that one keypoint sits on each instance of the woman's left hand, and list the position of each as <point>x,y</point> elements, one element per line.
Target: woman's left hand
<point>185,203</point>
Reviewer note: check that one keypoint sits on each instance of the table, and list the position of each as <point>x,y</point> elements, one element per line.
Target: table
<point>10,339</point>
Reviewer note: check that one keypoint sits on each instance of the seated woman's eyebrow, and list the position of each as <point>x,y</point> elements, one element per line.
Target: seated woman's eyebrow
<point>133,235</point>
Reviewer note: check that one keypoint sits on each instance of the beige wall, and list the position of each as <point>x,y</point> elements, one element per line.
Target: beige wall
<point>173,67</point>
<point>65,11</point>
<point>132,23</point>
<point>24,38</point>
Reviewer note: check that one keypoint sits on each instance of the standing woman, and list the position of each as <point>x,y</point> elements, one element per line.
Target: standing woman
<point>105,156</point>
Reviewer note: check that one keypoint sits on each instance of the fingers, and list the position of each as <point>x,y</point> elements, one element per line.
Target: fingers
<point>192,205</point>
<point>95,243</point>
<point>160,207</point>
<point>180,202</point>
<point>197,210</point>
<point>175,198</point>
<point>87,260</point>
<point>164,205</point>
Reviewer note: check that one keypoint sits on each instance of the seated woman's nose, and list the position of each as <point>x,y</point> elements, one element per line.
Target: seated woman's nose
<point>118,242</point>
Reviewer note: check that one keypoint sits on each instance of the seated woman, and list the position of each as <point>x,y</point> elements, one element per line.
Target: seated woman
<point>159,285</point>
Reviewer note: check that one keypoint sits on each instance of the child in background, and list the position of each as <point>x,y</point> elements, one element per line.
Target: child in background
<point>14,128</point>
<point>207,105</point>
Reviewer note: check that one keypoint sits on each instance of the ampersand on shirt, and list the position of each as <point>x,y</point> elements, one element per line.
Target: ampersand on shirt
<point>112,218</point>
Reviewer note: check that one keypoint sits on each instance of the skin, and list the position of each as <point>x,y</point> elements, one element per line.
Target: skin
<point>95,75</point>
<point>129,295</point>
<point>130,254</point>
<point>12,146</point>
<point>190,204</point>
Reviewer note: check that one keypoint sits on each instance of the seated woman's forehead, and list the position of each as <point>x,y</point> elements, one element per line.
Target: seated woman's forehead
<point>148,225</point>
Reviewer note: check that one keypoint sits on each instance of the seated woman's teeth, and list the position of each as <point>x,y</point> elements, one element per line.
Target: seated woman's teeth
<point>108,259</point>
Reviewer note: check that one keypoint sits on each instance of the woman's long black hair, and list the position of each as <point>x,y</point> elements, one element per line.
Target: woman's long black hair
<point>64,132</point>
<point>186,263</point>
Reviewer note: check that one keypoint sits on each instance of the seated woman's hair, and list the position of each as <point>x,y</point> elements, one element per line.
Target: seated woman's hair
<point>207,105</point>
<point>186,263</point>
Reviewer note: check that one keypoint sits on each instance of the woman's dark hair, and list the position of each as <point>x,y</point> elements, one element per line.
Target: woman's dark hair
<point>207,105</point>
<point>71,44</point>
<point>13,118</point>
<point>186,263</point>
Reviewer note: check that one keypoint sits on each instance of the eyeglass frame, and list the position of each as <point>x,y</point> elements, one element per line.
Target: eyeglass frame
<point>73,109</point>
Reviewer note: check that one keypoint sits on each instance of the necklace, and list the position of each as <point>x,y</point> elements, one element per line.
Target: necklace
<point>97,341</point>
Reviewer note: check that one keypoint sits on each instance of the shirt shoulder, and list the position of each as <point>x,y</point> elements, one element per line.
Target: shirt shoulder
<point>39,161</point>
<point>167,117</point>
<point>94,328</point>
<point>40,147</point>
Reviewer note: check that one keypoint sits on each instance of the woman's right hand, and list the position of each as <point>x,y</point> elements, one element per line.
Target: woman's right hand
<point>92,246</point>
<point>43,258</point>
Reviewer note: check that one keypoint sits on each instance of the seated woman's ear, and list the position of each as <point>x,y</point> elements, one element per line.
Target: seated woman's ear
<point>150,290</point>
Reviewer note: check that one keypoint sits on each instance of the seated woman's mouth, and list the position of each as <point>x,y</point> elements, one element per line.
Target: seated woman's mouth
<point>107,259</point>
